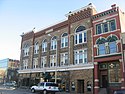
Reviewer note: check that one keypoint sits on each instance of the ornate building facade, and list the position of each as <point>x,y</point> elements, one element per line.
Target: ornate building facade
<point>60,53</point>
<point>107,50</point>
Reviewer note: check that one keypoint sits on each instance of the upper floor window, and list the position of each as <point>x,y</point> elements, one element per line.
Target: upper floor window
<point>43,62</point>
<point>53,43</point>
<point>101,46</point>
<point>44,46</point>
<point>36,48</point>
<point>35,63</point>
<point>80,35</point>
<point>107,46</point>
<point>64,40</point>
<point>106,27</point>
<point>26,50</point>
<point>112,25</point>
<point>80,56</point>
<point>53,60</point>
<point>25,64</point>
<point>64,59</point>
<point>112,44</point>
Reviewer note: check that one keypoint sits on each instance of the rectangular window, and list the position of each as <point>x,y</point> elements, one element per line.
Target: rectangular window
<point>112,25</point>
<point>43,62</point>
<point>64,59</point>
<point>114,73</point>
<point>66,41</point>
<point>105,27</point>
<point>62,42</point>
<point>75,39</point>
<point>80,56</point>
<point>80,38</point>
<point>98,29</point>
<point>35,63</point>
<point>85,37</point>
<point>112,47</point>
<point>52,60</point>
<point>101,49</point>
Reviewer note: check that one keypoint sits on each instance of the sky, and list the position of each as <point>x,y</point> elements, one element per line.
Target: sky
<point>18,16</point>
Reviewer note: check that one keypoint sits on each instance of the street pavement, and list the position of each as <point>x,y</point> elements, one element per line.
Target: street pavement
<point>13,90</point>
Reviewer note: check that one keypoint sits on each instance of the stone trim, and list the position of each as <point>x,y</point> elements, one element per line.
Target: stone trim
<point>96,80</point>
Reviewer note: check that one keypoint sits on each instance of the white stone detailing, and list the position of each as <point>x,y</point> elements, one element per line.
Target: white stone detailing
<point>63,68</point>
<point>104,18</point>
<point>122,79</point>
<point>96,87</point>
<point>96,80</point>
<point>81,9</point>
<point>122,87</point>
<point>95,63</point>
<point>48,31</point>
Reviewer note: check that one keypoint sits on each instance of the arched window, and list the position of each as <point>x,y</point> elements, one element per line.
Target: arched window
<point>64,40</point>
<point>26,50</point>
<point>53,43</point>
<point>112,44</point>
<point>101,46</point>
<point>36,48</point>
<point>80,35</point>
<point>44,45</point>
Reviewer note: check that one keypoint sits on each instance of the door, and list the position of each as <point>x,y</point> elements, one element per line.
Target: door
<point>104,81</point>
<point>80,86</point>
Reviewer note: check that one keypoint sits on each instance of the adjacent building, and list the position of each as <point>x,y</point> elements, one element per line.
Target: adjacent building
<point>8,70</point>
<point>107,50</point>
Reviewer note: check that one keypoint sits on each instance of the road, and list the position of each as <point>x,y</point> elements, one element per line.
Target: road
<point>12,90</point>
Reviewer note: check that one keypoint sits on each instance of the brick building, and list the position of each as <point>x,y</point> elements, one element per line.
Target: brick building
<point>107,50</point>
<point>81,52</point>
<point>62,51</point>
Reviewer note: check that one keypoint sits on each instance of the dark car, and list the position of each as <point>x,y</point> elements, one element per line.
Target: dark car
<point>121,91</point>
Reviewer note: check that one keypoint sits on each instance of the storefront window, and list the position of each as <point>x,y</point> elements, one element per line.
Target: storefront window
<point>114,73</point>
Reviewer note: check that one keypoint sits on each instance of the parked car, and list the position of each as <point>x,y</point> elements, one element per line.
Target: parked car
<point>45,87</point>
<point>13,83</point>
<point>121,91</point>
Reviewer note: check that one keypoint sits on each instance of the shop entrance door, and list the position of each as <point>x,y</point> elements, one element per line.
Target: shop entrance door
<point>104,81</point>
<point>80,86</point>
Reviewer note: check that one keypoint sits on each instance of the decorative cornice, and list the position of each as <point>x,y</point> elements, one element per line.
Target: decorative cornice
<point>81,9</point>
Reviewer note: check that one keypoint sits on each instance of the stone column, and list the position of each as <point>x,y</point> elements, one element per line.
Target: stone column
<point>96,78</point>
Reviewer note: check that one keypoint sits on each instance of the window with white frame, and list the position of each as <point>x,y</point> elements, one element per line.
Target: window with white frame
<point>80,56</point>
<point>35,63</point>
<point>25,64</point>
<point>101,46</point>
<point>53,60</point>
<point>64,40</point>
<point>44,46</point>
<point>112,44</point>
<point>107,46</point>
<point>107,26</point>
<point>64,59</point>
<point>26,50</point>
<point>53,43</point>
<point>43,62</point>
<point>36,48</point>
<point>80,35</point>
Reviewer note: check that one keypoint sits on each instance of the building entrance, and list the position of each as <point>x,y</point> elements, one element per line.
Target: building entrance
<point>80,86</point>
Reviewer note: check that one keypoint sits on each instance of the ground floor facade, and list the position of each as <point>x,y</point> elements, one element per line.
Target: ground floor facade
<point>74,81</point>
<point>109,75</point>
